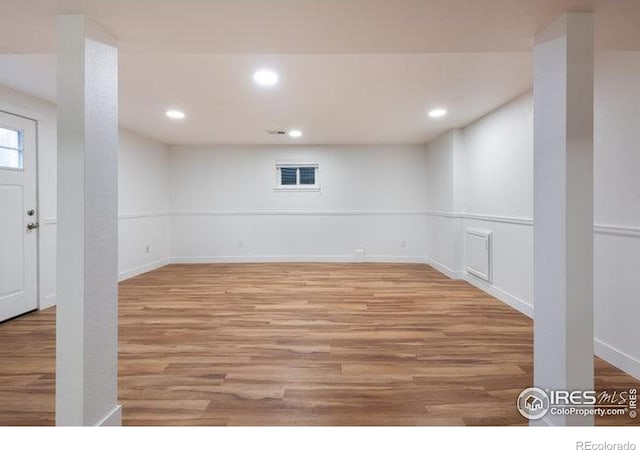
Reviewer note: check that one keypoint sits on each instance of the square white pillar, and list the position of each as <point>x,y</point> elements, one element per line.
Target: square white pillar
<point>563,209</point>
<point>87,240</point>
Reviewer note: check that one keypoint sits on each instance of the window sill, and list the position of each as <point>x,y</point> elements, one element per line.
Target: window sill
<point>297,188</point>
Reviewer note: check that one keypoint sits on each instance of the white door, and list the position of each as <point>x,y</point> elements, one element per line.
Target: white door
<point>18,216</point>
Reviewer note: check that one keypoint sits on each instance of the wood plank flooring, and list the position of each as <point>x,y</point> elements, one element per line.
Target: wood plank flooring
<point>297,344</point>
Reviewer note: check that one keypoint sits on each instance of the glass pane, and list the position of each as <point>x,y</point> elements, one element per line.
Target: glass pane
<point>10,158</point>
<point>288,176</point>
<point>9,138</point>
<point>307,175</point>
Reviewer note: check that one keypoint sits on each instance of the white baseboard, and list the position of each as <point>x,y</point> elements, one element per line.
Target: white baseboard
<point>504,296</point>
<point>47,302</point>
<point>294,258</point>
<point>125,275</point>
<point>612,355</point>
<point>113,419</point>
<point>453,274</point>
<point>510,299</point>
<point>399,259</point>
<point>258,259</point>
<point>618,358</point>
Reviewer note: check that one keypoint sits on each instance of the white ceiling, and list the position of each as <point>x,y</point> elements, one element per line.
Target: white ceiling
<point>352,71</point>
<point>313,26</point>
<point>331,98</point>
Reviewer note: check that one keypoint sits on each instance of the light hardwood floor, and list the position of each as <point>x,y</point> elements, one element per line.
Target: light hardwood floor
<point>297,344</point>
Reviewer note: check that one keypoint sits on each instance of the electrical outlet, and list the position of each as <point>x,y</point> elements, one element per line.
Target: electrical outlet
<point>404,244</point>
<point>240,244</point>
<point>147,249</point>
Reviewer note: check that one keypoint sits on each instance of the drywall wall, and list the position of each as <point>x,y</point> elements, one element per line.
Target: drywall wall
<point>143,204</point>
<point>143,195</point>
<point>224,206</point>
<point>496,166</point>
<point>617,208</point>
<point>481,177</point>
<point>443,194</point>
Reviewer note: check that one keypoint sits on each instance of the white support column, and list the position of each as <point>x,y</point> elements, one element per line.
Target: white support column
<point>563,206</point>
<point>87,242</point>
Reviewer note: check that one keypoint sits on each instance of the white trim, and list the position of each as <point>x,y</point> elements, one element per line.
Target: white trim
<point>127,216</point>
<point>618,358</point>
<point>297,188</point>
<point>142,215</point>
<point>483,217</point>
<point>295,258</point>
<point>445,270</point>
<point>113,419</point>
<point>510,299</point>
<point>448,215</point>
<point>486,235</point>
<point>499,219</point>
<point>258,259</point>
<point>130,273</point>
<point>612,355</point>
<point>48,301</point>
<point>399,259</point>
<point>615,230</point>
<point>51,299</point>
<point>19,111</point>
<point>292,163</point>
<point>297,212</point>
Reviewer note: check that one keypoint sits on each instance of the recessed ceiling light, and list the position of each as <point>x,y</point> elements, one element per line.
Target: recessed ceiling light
<point>439,112</point>
<point>175,114</point>
<point>295,133</point>
<point>265,77</point>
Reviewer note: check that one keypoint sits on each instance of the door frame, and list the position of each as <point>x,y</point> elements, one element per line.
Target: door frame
<point>39,249</point>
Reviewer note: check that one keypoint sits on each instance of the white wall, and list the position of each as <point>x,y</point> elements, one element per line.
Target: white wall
<point>482,177</point>
<point>617,208</point>
<point>497,169</point>
<point>143,204</point>
<point>143,195</point>
<point>224,207</point>
<point>443,196</point>
<point>497,166</point>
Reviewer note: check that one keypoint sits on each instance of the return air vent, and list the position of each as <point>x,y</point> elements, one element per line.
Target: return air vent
<point>478,253</point>
<point>277,132</point>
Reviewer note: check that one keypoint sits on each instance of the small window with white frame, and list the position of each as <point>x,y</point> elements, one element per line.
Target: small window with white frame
<point>11,149</point>
<point>297,176</point>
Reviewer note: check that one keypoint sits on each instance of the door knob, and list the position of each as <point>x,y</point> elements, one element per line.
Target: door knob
<point>32,225</point>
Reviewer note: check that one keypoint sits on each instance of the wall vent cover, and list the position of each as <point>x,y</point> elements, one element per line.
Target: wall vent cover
<point>478,253</point>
